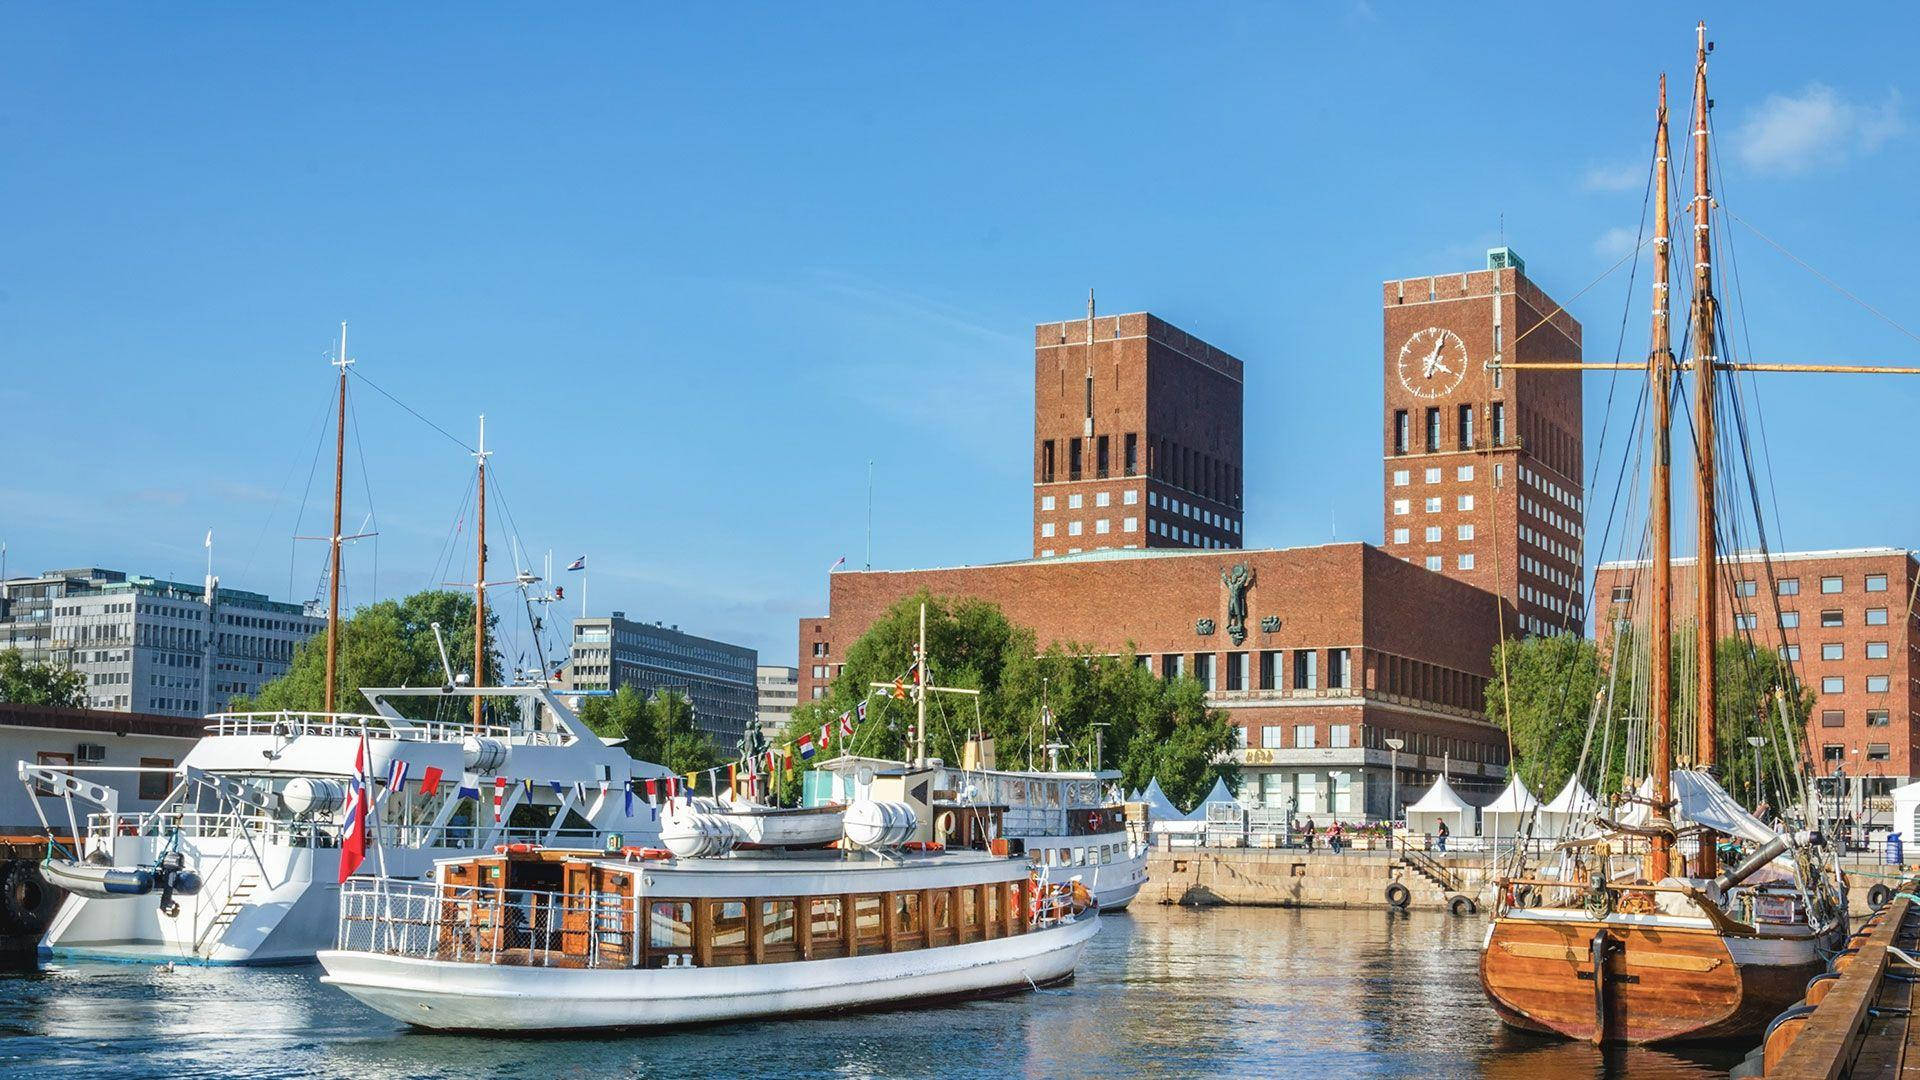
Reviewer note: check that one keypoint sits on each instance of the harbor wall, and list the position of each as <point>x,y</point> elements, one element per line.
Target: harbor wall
<point>1292,877</point>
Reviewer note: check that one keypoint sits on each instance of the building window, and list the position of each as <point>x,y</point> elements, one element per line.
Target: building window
<point>1340,736</point>
<point>1306,669</point>
<point>1464,532</point>
<point>1073,459</point>
<point>1102,526</point>
<point>1402,506</point>
<point>1622,594</point>
<point>1339,669</point>
<point>1832,754</point>
<point>155,785</point>
<point>1400,536</point>
<point>1833,618</point>
<point>1876,583</point>
<point>1237,671</point>
<point>1466,502</point>
<point>1877,751</point>
<point>1833,684</point>
<point>1130,497</point>
<point>1876,684</point>
<point>1499,424</point>
<point>1830,584</point>
<point>1046,528</point>
<point>1131,524</point>
<point>1433,504</point>
<point>1046,502</point>
<point>1102,498</point>
<point>1790,653</point>
<point>1789,620</point>
<point>1833,718</point>
<point>1100,458</point>
<point>1132,462</point>
<point>820,648</point>
<point>1745,587</point>
<point>1073,528</point>
<point>1402,477</point>
<point>1433,430</point>
<point>1303,736</point>
<point>1432,476</point>
<point>1745,620</point>
<point>1788,586</point>
<point>1269,669</point>
<point>1400,431</point>
<point>1273,736</point>
<point>1463,473</point>
<point>1433,534</point>
<point>1046,462</point>
<point>1046,553</point>
<point>1203,669</point>
<point>1833,650</point>
<point>1876,650</point>
<point>1466,427</point>
<point>1876,718</point>
<point>1876,616</point>
<point>1466,561</point>
<point>1435,562</point>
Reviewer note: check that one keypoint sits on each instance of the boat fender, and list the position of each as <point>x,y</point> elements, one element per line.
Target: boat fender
<point>1463,905</point>
<point>1399,895</point>
<point>1781,1034</point>
<point>1843,959</point>
<point>924,845</point>
<point>1879,895</point>
<point>21,895</point>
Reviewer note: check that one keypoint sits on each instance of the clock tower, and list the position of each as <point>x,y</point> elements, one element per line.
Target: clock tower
<point>1484,465</point>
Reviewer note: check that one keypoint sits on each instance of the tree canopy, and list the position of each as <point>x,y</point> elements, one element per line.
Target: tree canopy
<point>34,682</point>
<point>387,643</point>
<point>657,728</point>
<point>1555,682</point>
<point>1145,726</point>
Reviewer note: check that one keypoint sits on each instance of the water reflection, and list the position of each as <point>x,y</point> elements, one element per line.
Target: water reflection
<point>1163,991</point>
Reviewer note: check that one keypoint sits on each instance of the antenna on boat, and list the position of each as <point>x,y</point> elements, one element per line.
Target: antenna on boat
<point>343,362</point>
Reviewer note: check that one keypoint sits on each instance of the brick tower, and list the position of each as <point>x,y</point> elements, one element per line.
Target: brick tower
<point>1136,437</point>
<point>1483,465</point>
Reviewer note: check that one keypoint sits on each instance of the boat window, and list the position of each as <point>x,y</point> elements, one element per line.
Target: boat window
<point>990,909</point>
<point>969,909</point>
<point>1079,856</point>
<point>866,918</point>
<point>906,913</point>
<point>940,910</point>
<point>670,925</point>
<point>776,922</point>
<point>730,931</point>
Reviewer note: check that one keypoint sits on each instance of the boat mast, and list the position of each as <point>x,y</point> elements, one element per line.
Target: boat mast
<point>1660,640</point>
<point>1706,585</point>
<point>920,693</point>
<point>333,539</point>
<point>480,576</point>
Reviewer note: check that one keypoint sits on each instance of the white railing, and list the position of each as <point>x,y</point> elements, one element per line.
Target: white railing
<point>350,725</point>
<point>466,924</point>
<point>264,828</point>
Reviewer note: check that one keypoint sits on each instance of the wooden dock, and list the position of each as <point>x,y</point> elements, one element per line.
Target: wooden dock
<point>1857,1020</point>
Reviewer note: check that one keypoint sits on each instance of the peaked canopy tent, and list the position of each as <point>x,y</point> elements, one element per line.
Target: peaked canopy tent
<point>1441,803</point>
<point>1217,794</point>
<point>1507,814</point>
<point>1906,812</point>
<point>1566,810</point>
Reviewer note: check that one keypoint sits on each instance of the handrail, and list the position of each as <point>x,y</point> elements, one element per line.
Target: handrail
<point>1428,865</point>
<point>373,726</point>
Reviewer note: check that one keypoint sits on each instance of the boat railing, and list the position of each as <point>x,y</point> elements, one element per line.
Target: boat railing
<point>195,825</point>
<point>477,925</point>
<point>289,723</point>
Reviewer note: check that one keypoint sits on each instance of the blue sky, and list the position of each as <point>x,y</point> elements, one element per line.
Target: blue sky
<point>700,264</point>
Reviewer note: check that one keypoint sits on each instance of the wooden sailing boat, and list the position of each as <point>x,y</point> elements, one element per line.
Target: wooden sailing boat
<point>1634,941</point>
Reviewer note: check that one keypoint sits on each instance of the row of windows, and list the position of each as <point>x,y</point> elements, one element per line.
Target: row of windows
<point>728,933</point>
<point>1789,620</point>
<point>1433,504</point>
<point>1438,563</point>
<point>1547,544</point>
<point>1829,585</point>
<point>1403,477</point>
<point>1101,527</point>
<point>1076,500</point>
<point>1465,431</point>
<point>1274,736</point>
<point>1833,753</point>
<point>1837,684</point>
<point>1102,453</point>
<point>1197,513</point>
<point>1275,672</point>
<point>1838,718</point>
<point>1550,487</point>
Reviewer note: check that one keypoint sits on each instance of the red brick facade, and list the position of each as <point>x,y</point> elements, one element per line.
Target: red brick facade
<point>1483,465</point>
<point>1841,618</point>
<point>1136,437</point>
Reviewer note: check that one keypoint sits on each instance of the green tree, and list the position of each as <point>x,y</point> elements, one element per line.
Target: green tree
<point>388,643</point>
<point>1750,680</point>
<point>1143,725</point>
<point>657,728</point>
<point>1542,692</point>
<point>31,682</point>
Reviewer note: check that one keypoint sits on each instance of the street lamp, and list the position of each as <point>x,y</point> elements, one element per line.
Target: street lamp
<point>1756,742</point>
<point>1394,746</point>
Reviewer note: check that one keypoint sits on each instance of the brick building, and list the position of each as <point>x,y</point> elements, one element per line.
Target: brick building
<point>1844,621</point>
<point>1483,465</point>
<point>1342,647</point>
<point>1136,437</point>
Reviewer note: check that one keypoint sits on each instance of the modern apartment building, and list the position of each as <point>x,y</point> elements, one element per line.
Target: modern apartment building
<point>779,687</point>
<point>719,678</point>
<point>151,646</point>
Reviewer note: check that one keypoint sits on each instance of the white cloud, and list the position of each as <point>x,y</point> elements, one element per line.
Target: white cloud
<point>1796,133</point>
<point>1625,177</point>
<point>1615,242</point>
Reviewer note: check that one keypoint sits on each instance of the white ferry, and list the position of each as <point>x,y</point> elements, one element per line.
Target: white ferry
<point>555,941</point>
<point>1069,825</point>
<point>240,863</point>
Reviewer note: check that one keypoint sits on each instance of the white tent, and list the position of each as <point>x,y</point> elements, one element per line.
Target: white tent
<point>1507,814</point>
<point>1441,803</point>
<point>1158,805</point>
<point>1906,804</point>
<point>1219,794</point>
<point>1563,810</point>
<point>1133,796</point>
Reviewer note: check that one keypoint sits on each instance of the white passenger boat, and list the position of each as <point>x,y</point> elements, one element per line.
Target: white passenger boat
<point>240,862</point>
<point>553,941</point>
<point>1070,825</point>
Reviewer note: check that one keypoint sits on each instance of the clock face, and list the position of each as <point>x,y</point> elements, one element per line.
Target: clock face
<point>1432,362</point>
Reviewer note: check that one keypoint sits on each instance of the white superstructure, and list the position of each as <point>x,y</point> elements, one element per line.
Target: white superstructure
<point>257,808</point>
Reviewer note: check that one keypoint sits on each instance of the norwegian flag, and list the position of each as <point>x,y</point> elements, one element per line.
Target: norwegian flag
<point>806,746</point>
<point>353,846</point>
<point>499,796</point>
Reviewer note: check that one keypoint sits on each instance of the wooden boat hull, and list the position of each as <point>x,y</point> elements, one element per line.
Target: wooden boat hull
<point>1663,983</point>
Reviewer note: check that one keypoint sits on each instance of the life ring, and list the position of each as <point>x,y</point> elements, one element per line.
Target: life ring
<point>515,849</point>
<point>646,853</point>
<point>1094,820</point>
<point>1399,895</point>
<point>1879,895</point>
<point>947,823</point>
<point>924,845</point>
<point>1463,905</point>
<point>21,896</point>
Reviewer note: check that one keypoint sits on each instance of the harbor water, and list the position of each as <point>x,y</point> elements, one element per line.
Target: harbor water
<point>1162,991</point>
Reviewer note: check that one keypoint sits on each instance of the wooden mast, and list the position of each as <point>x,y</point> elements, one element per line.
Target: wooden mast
<point>480,576</point>
<point>1704,359</point>
<point>333,538</point>
<point>1660,639</point>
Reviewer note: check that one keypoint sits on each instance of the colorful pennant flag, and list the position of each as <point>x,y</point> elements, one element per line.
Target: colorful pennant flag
<point>430,781</point>
<point>806,746</point>
<point>397,775</point>
<point>499,796</point>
